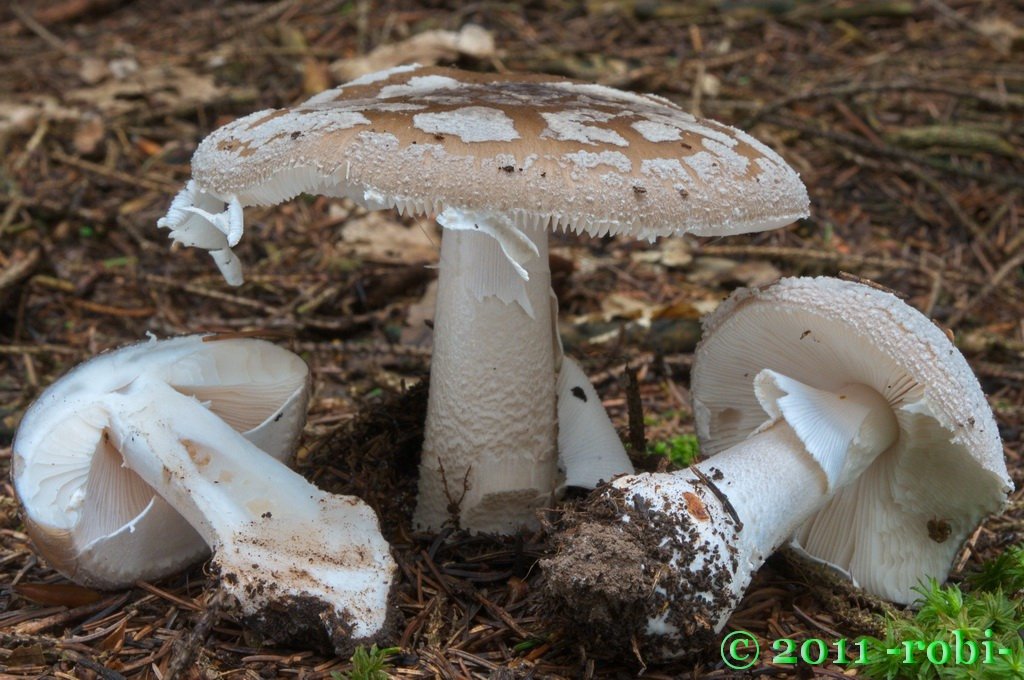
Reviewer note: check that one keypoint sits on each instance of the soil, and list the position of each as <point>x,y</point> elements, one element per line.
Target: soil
<point>611,574</point>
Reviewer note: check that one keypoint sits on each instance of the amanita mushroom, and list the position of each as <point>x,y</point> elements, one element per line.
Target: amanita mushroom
<point>132,464</point>
<point>832,413</point>
<point>498,159</point>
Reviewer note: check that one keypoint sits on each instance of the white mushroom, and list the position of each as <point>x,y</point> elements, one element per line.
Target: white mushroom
<point>497,159</point>
<point>831,412</point>
<point>131,464</point>
<point>93,519</point>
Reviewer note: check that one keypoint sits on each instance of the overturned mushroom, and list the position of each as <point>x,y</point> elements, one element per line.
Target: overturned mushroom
<point>832,413</point>
<point>131,464</point>
<point>96,521</point>
<point>498,159</point>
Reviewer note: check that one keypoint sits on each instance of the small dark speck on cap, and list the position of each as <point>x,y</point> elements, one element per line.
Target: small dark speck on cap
<point>579,393</point>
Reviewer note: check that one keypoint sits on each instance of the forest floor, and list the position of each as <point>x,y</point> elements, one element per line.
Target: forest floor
<point>905,119</point>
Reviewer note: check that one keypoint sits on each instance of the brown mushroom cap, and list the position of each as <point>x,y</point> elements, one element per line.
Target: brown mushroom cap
<point>542,149</point>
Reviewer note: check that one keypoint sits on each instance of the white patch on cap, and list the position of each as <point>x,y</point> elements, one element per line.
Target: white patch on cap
<point>614,180</point>
<point>664,168</point>
<point>319,120</point>
<point>657,132</point>
<point>575,126</point>
<point>325,97</point>
<point>395,107</point>
<point>735,162</point>
<point>587,160</point>
<point>272,139</point>
<point>470,124</point>
<point>420,85</point>
<point>685,122</point>
<point>335,94</point>
<point>706,165</point>
<point>724,136</point>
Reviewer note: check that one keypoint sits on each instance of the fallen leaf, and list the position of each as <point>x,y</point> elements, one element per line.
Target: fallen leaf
<point>89,134</point>
<point>379,237</point>
<point>57,594</point>
<point>315,76</point>
<point>427,48</point>
<point>149,87</point>
<point>28,655</point>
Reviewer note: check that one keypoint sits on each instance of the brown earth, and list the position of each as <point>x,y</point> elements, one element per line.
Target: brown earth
<point>904,118</point>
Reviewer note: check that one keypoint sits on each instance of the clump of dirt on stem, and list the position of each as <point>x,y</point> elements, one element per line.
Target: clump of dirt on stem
<point>611,578</point>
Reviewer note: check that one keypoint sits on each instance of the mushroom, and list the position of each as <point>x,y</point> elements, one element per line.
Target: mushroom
<point>133,463</point>
<point>497,159</point>
<point>831,413</point>
<point>92,518</point>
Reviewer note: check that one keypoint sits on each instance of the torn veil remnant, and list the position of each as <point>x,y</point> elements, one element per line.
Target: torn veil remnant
<point>833,414</point>
<point>497,159</point>
<point>132,464</point>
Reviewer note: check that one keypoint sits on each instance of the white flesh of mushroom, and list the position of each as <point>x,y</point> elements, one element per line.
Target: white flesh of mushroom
<point>280,543</point>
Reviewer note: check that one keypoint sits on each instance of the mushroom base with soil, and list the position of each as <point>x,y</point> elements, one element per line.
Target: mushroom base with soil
<point>657,562</point>
<point>296,562</point>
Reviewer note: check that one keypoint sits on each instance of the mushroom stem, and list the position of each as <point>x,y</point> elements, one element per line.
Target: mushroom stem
<point>489,452</point>
<point>690,541</point>
<point>298,561</point>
